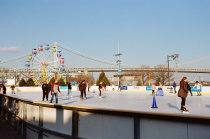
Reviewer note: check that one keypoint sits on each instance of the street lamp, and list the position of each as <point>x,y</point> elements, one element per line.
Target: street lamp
<point>119,64</point>
<point>174,57</point>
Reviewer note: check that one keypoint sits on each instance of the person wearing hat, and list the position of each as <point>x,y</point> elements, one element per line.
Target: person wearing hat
<point>55,88</point>
<point>153,89</point>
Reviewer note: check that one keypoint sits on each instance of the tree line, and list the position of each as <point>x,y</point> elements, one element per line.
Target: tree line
<point>142,78</point>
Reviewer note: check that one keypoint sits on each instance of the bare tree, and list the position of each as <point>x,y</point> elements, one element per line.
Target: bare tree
<point>163,75</point>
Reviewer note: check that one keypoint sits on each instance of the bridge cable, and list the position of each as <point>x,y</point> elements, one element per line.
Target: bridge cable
<point>195,60</point>
<point>13,59</point>
<point>88,57</point>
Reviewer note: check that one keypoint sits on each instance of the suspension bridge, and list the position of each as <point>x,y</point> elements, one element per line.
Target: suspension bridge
<point>128,112</point>
<point>46,60</point>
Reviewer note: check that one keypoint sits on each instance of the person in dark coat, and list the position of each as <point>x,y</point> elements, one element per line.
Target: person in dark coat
<point>183,91</point>
<point>45,90</point>
<point>69,89</point>
<point>82,89</point>
<point>100,89</point>
<point>189,88</point>
<point>4,89</point>
<point>13,89</point>
<point>49,88</point>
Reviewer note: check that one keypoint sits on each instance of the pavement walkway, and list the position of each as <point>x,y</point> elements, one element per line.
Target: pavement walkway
<point>7,132</point>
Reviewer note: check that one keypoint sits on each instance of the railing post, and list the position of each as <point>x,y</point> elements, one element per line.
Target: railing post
<point>136,128</point>
<point>24,120</point>
<point>9,110</point>
<point>1,105</point>
<point>75,124</point>
<point>41,115</point>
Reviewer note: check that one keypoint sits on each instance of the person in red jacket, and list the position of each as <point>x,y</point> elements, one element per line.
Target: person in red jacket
<point>55,88</point>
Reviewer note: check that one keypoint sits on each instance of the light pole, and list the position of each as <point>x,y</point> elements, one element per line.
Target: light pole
<point>119,64</point>
<point>174,57</point>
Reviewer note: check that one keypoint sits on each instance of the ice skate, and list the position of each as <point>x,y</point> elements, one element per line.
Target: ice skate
<point>184,110</point>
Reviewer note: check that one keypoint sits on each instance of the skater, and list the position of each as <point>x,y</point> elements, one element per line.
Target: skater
<point>69,89</point>
<point>4,89</point>
<point>88,87</point>
<point>100,89</point>
<point>112,87</point>
<point>153,89</point>
<point>174,86</point>
<point>82,89</point>
<point>160,90</point>
<point>104,86</point>
<point>49,89</point>
<point>198,85</point>
<point>189,88</point>
<point>55,88</point>
<point>183,90</point>
<point>119,88</point>
<point>13,89</point>
<point>45,91</point>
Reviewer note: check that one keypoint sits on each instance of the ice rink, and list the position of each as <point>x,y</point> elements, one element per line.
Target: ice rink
<point>132,101</point>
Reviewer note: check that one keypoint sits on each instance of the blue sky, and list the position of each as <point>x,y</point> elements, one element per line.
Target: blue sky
<point>148,30</point>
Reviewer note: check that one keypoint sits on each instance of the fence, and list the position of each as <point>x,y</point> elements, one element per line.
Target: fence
<point>43,120</point>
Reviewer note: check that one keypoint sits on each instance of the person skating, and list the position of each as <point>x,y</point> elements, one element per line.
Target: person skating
<point>174,86</point>
<point>49,88</point>
<point>45,91</point>
<point>160,90</point>
<point>189,88</point>
<point>69,89</point>
<point>183,91</point>
<point>4,89</point>
<point>55,88</point>
<point>198,86</point>
<point>100,89</point>
<point>104,86</point>
<point>153,89</point>
<point>88,86</point>
<point>13,89</point>
<point>82,89</point>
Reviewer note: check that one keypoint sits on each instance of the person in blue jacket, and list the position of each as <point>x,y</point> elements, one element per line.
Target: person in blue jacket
<point>174,86</point>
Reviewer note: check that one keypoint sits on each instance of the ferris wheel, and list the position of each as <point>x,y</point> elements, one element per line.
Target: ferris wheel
<point>44,62</point>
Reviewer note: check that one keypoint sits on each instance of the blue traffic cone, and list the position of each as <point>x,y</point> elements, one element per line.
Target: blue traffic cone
<point>154,105</point>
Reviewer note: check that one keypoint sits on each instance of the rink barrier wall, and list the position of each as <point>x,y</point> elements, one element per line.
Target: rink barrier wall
<point>166,89</point>
<point>35,120</point>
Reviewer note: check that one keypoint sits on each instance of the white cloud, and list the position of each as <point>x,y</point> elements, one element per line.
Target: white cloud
<point>9,49</point>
